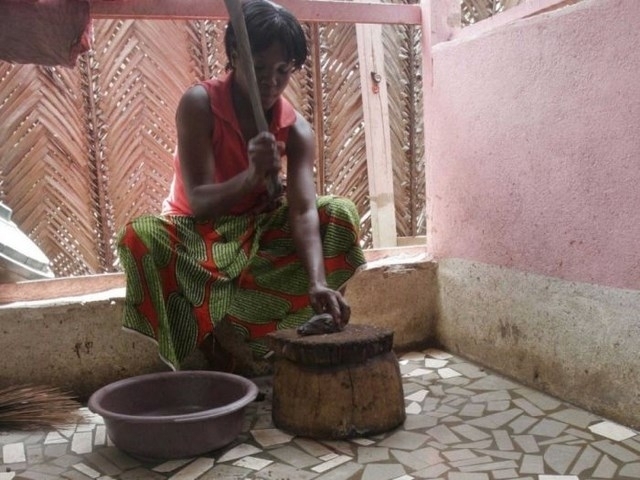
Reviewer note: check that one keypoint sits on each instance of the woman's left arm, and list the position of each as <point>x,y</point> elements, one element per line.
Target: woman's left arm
<point>305,223</point>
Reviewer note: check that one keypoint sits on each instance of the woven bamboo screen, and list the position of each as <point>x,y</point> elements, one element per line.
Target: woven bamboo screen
<point>84,150</point>
<point>475,10</point>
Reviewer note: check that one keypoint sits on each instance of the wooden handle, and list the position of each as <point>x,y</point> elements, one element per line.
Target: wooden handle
<point>234,7</point>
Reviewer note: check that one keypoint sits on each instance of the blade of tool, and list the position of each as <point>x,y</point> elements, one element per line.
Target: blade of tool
<point>234,8</point>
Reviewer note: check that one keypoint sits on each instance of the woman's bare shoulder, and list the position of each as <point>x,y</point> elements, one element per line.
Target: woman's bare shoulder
<point>300,142</point>
<point>195,97</point>
<point>301,129</point>
<point>194,105</point>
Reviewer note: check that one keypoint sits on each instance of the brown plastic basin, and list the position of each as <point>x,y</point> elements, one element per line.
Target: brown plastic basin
<point>174,414</point>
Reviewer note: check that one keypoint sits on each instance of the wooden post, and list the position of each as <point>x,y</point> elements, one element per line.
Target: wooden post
<point>377,134</point>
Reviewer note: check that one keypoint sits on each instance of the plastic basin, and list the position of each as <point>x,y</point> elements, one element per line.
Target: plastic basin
<point>174,414</point>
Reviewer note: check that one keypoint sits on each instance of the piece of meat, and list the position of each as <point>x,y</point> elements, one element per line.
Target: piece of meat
<point>319,324</point>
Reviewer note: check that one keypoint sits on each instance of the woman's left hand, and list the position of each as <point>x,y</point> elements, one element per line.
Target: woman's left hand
<point>326,300</point>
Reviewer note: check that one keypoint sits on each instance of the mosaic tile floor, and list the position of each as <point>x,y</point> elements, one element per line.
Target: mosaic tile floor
<point>463,423</point>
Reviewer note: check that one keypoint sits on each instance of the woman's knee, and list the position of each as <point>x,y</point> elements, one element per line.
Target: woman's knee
<point>140,229</point>
<point>340,207</point>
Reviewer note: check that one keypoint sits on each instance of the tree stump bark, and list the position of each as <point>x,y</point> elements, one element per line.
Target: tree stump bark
<point>336,385</point>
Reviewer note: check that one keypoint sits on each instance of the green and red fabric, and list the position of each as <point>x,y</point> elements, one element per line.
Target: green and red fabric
<point>185,276</point>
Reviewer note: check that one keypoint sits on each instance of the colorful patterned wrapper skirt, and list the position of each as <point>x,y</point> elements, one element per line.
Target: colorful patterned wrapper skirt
<point>187,278</point>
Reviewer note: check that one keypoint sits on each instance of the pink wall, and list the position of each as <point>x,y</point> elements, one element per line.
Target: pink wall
<point>534,157</point>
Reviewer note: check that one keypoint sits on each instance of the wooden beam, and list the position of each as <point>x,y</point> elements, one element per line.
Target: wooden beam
<point>375,106</point>
<point>305,10</point>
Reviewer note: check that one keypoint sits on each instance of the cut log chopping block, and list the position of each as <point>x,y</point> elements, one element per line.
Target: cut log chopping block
<point>337,385</point>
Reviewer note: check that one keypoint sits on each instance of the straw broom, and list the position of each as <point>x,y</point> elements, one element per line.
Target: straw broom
<point>33,407</point>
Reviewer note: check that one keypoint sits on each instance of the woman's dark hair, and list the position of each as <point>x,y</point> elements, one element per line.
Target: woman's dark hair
<point>268,23</point>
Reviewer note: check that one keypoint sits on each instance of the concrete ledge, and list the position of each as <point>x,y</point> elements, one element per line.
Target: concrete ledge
<point>73,337</point>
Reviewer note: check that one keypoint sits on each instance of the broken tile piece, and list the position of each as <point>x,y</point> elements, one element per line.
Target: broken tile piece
<point>53,438</point>
<point>433,363</point>
<point>275,471</point>
<point>468,476</point>
<point>532,464</point>
<point>100,435</point>
<point>606,468</point>
<point>616,451</point>
<point>448,373</point>
<point>239,451</point>
<point>417,372</point>
<point>171,465</point>
<point>557,477</point>
<point>418,459</point>
<point>439,354</point>
<point>372,454</point>
<point>82,443</point>
<point>381,471</point>
<point>412,356</point>
<point>404,440</point>
<point>528,407</point>
<point>472,410</point>
<point>253,463</point>
<point>270,436</point>
<point>86,470</point>
<point>328,456</point>
<point>470,432</point>
<point>13,453</point>
<point>334,462</point>
<point>443,434</point>
<point>560,457</point>
<point>365,442</point>
<point>434,471</point>
<point>548,428</point>
<point>630,470</point>
<point>612,431</point>
<point>502,439</point>
<point>294,456</point>
<point>459,454</point>
<point>418,396</point>
<point>194,470</point>
<point>575,417</point>
<point>588,458</point>
<point>505,474</point>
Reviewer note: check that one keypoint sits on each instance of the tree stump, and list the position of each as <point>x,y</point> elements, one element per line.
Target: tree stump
<point>337,385</point>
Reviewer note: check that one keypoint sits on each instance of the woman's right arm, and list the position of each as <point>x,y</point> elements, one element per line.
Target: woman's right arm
<point>194,122</point>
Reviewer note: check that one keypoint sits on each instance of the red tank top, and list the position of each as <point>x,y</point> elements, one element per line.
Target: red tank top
<point>229,146</point>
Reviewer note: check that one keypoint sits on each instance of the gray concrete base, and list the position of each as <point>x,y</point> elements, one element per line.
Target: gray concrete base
<point>576,341</point>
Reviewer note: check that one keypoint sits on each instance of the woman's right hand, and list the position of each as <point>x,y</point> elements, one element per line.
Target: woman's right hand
<point>265,156</point>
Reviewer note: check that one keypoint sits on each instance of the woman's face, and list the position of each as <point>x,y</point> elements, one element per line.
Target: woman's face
<point>273,71</point>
